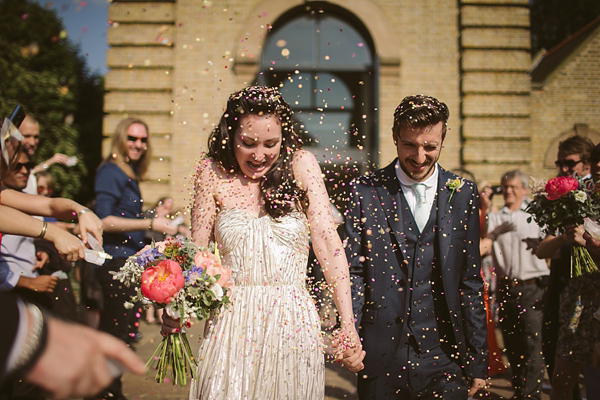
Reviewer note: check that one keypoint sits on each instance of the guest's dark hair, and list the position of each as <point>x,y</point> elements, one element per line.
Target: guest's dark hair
<point>577,145</point>
<point>278,187</point>
<point>595,155</point>
<point>419,111</point>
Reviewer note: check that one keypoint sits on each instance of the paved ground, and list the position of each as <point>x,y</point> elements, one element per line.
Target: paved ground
<point>340,383</point>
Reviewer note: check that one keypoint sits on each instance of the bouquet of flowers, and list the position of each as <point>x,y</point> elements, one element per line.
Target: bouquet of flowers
<point>564,201</point>
<point>188,281</point>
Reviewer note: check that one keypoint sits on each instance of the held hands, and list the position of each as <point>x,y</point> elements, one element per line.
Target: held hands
<point>348,349</point>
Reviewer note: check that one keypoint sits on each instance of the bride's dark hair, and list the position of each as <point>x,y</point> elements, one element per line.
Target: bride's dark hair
<point>278,187</point>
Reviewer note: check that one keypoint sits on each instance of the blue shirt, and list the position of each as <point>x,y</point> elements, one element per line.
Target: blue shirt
<point>118,195</point>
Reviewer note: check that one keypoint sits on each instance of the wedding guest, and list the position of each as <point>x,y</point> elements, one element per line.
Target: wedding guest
<point>573,159</point>
<point>19,261</point>
<point>412,233</point>
<point>522,280</point>
<point>119,205</point>
<point>62,298</point>
<point>30,129</point>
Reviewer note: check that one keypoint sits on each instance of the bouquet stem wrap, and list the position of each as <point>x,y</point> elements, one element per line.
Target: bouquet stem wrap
<point>173,353</point>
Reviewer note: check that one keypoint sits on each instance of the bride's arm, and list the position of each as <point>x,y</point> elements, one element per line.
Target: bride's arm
<point>204,209</point>
<point>325,239</point>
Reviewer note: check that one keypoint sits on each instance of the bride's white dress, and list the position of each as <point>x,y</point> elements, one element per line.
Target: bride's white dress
<point>267,344</point>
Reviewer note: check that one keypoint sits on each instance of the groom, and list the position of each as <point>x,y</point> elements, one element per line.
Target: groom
<point>413,247</point>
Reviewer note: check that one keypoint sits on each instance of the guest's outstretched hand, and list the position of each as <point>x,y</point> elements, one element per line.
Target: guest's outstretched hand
<point>75,362</point>
<point>69,247</point>
<point>89,223</point>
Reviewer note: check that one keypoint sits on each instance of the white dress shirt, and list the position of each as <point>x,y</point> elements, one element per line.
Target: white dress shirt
<point>406,182</point>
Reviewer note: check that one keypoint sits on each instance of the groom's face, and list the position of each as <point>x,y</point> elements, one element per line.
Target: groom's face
<point>419,150</point>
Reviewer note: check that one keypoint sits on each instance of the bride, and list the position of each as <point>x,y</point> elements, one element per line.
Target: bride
<point>259,195</point>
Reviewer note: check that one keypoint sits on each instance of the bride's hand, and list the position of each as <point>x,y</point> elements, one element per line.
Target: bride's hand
<point>169,324</point>
<point>349,349</point>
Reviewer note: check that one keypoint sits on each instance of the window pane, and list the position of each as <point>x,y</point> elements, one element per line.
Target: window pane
<point>292,44</point>
<point>340,43</point>
<point>297,90</point>
<point>332,92</point>
<point>328,127</point>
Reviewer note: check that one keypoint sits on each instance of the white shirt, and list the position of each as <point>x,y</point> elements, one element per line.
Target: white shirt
<point>17,259</point>
<point>511,255</point>
<point>31,187</point>
<point>431,186</point>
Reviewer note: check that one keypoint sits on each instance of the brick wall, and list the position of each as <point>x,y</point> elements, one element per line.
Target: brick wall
<point>174,63</point>
<point>570,96</point>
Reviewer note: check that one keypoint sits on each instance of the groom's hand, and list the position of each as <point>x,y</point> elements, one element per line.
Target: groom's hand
<point>353,359</point>
<point>476,384</point>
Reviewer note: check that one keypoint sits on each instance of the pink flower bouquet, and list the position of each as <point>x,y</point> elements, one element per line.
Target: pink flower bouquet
<point>188,281</point>
<point>566,201</point>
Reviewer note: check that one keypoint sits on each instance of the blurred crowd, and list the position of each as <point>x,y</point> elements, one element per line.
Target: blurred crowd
<point>56,261</point>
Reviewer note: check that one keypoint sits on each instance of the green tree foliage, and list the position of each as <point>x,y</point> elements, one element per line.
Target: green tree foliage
<point>552,21</point>
<point>44,72</point>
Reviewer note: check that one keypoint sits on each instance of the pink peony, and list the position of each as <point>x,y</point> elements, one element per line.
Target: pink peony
<point>162,281</point>
<point>558,187</point>
<point>211,264</point>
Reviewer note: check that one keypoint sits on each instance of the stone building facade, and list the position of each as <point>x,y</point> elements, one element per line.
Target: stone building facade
<point>565,96</point>
<point>174,63</point>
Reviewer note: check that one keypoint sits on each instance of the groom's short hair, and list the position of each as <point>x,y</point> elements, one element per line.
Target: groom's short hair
<point>419,111</point>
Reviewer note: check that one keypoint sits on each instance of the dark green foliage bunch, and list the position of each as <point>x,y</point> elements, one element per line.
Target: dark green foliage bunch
<point>41,70</point>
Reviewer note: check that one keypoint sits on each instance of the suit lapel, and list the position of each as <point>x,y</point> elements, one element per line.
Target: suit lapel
<point>389,193</point>
<point>443,220</point>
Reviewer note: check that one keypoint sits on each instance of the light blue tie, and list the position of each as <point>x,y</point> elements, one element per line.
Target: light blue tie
<point>421,211</point>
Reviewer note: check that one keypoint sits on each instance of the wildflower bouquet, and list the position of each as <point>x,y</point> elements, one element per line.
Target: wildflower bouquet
<point>564,201</point>
<point>188,281</point>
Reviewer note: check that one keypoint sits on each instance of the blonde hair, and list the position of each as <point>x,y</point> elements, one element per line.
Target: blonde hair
<point>118,150</point>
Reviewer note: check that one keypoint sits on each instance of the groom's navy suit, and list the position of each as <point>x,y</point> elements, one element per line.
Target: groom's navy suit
<point>412,289</point>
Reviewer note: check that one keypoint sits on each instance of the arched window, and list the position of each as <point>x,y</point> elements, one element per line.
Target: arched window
<point>322,59</point>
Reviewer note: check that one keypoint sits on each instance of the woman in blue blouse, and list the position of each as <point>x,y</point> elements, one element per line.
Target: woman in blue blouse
<point>119,206</point>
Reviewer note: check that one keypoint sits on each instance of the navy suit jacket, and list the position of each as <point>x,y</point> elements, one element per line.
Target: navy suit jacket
<point>374,242</point>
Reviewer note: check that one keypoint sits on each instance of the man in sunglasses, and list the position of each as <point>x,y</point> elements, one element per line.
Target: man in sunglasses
<point>573,159</point>
<point>19,260</point>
